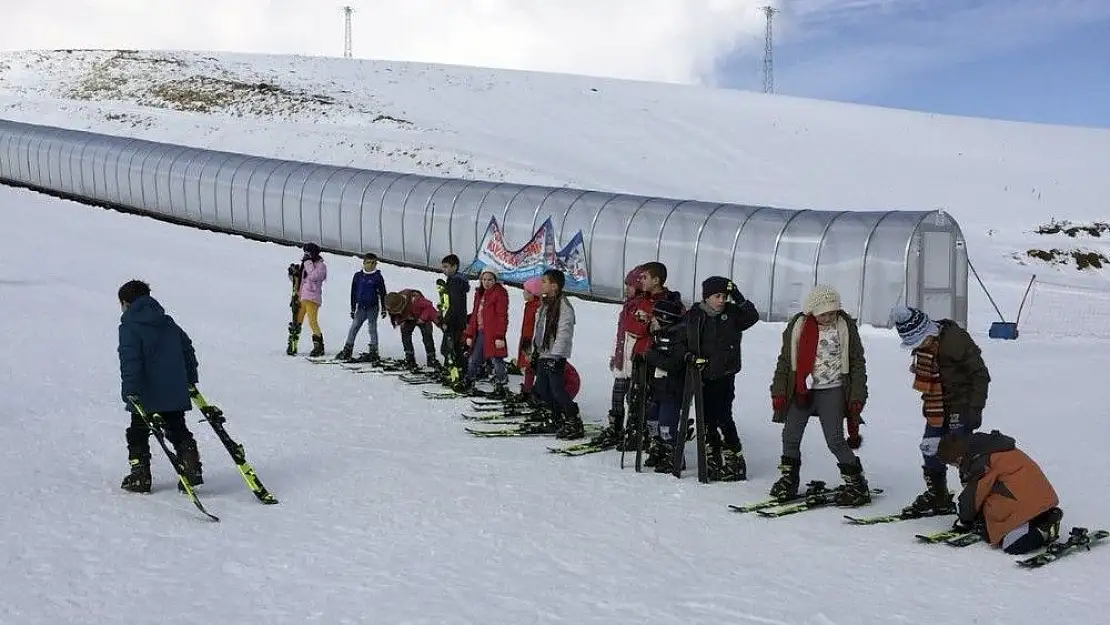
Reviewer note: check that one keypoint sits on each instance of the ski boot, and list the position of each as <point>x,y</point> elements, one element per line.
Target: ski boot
<point>733,466</point>
<point>714,462</point>
<point>572,427</point>
<point>370,355</point>
<point>317,346</point>
<point>138,480</point>
<point>787,486</point>
<point>433,362</point>
<point>659,452</point>
<point>410,362</point>
<point>294,337</point>
<point>936,500</point>
<point>1048,524</point>
<point>500,391</point>
<point>345,353</point>
<point>612,434</point>
<point>855,491</point>
<point>189,457</point>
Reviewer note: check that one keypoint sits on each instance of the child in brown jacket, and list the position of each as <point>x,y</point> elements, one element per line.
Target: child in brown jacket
<point>1004,491</point>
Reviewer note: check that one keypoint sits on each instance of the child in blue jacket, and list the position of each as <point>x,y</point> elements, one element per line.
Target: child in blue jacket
<point>367,305</point>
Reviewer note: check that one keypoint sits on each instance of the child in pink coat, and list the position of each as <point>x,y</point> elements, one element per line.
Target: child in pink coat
<point>310,275</point>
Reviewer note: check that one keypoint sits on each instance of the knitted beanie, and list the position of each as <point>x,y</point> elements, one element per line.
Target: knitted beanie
<point>913,325</point>
<point>715,284</point>
<point>532,285</point>
<point>822,299</point>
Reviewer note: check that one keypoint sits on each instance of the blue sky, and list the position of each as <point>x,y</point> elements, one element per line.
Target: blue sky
<point>1025,60</point>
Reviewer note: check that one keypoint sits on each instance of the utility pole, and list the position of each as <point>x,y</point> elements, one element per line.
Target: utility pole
<point>347,48</point>
<point>769,51</point>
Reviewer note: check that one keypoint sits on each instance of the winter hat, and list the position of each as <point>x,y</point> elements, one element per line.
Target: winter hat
<point>912,325</point>
<point>822,299</point>
<point>715,284</point>
<point>490,272</point>
<point>667,312</point>
<point>394,303</point>
<point>532,285</point>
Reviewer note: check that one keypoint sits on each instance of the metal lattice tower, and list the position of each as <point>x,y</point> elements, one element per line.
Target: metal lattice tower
<point>769,51</point>
<point>347,47</point>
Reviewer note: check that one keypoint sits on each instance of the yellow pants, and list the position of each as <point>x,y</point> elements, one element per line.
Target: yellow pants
<point>311,310</point>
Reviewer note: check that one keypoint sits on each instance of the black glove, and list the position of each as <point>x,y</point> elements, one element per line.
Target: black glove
<point>293,270</point>
<point>735,296</point>
<point>973,419</point>
<point>441,283</point>
<point>693,359</point>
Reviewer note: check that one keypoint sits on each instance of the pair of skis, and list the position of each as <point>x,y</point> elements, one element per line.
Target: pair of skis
<point>816,495</point>
<point>213,415</point>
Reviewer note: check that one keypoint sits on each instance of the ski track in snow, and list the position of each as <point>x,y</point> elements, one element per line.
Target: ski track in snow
<point>390,513</point>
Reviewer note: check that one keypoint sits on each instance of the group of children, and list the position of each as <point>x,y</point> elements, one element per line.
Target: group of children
<point>821,372</point>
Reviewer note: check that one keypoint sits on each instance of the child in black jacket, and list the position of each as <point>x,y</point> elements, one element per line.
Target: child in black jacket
<point>667,357</point>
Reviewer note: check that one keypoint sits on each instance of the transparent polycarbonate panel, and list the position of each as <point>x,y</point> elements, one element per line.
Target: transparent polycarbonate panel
<point>959,312</point>
<point>233,188</point>
<point>795,262</point>
<point>161,179</point>
<point>191,205</point>
<point>755,248</point>
<point>254,174</point>
<point>380,232</point>
<point>211,190</point>
<point>840,256</point>
<point>311,200</point>
<point>18,156</point>
<point>414,236</point>
<point>112,167</point>
<point>53,161</point>
<point>6,137</point>
<point>884,283</point>
<point>641,240</point>
<point>714,247</point>
<point>273,219</point>
<point>35,171</point>
<point>605,245</point>
<point>96,185</point>
<point>936,252</point>
<point>131,180</point>
<point>178,180</point>
<point>461,216</point>
<point>437,220</point>
<point>65,175</point>
<point>553,207</point>
<point>516,222</point>
<point>293,212</point>
<point>42,156</point>
<point>343,217</point>
<point>676,244</point>
<point>491,207</point>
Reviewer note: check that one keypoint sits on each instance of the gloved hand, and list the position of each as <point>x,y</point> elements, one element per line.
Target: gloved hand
<point>854,440</point>
<point>778,403</point>
<point>499,343</point>
<point>735,296</point>
<point>293,270</point>
<point>973,418</point>
<point>693,359</point>
<point>441,283</point>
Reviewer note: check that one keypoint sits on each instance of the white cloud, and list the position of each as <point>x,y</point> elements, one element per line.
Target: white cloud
<point>663,40</point>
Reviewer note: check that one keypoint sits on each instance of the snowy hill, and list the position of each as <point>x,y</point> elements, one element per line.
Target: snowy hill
<point>390,512</point>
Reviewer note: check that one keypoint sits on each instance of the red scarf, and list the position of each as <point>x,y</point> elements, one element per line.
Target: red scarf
<point>806,359</point>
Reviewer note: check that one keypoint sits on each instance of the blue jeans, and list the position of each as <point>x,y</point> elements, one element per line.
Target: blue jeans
<point>477,357</point>
<point>666,411</point>
<point>369,316</point>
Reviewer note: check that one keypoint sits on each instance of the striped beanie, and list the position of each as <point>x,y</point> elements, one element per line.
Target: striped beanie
<point>913,325</point>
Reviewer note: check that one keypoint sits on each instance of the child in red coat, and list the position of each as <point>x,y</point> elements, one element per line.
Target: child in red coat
<point>409,309</point>
<point>485,333</point>
<point>527,331</point>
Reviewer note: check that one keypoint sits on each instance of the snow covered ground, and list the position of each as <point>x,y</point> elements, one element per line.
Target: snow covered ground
<point>390,512</point>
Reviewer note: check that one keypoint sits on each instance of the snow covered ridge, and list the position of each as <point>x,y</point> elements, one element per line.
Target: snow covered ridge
<point>559,130</point>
